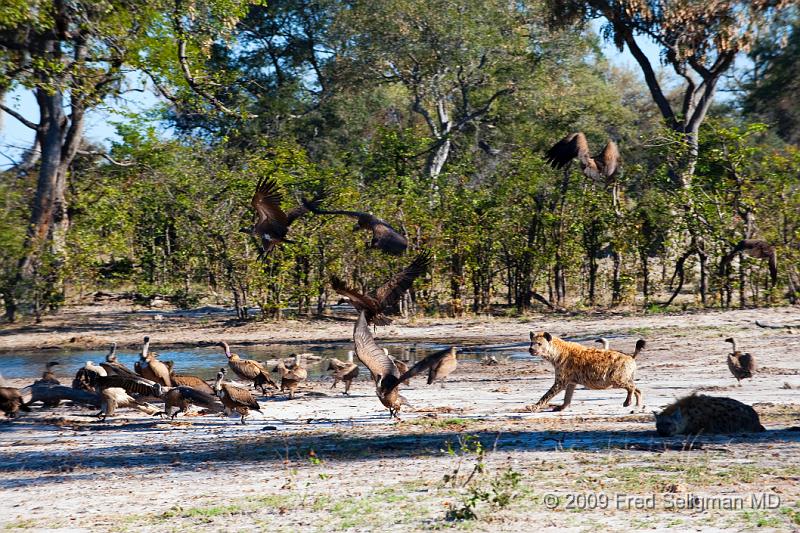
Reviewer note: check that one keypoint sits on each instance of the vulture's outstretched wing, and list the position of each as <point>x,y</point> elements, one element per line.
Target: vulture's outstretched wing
<point>306,206</point>
<point>572,146</point>
<point>390,292</point>
<point>388,239</point>
<point>370,353</point>
<point>267,202</point>
<point>358,300</point>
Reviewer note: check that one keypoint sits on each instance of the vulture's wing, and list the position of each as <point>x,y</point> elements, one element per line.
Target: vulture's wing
<point>425,364</point>
<point>388,239</point>
<point>131,385</point>
<point>241,396</point>
<point>267,202</point>
<point>370,353</point>
<point>747,362</point>
<point>610,158</point>
<point>358,300</point>
<point>306,206</point>
<point>571,146</point>
<point>390,292</point>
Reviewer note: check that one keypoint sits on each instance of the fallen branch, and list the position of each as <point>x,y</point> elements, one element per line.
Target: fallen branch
<point>776,326</point>
<point>51,394</point>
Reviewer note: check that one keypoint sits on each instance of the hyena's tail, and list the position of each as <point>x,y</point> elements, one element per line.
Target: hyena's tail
<point>640,344</point>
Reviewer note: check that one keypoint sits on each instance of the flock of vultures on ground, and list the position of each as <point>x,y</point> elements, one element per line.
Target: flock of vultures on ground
<point>111,385</point>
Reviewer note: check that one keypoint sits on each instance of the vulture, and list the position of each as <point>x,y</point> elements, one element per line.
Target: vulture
<point>86,376</point>
<point>114,367</point>
<point>388,294</point>
<point>603,341</point>
<point>598,168</point>
<point>741,364</point>
<point>180,398</point>
<point>384,237</point>
<point>385,373</point>
<point>401,365</point>
<point>11,401</point>
<point>272,222</point>
<point>234,398</point>
<point>292,375</point>
<point>149,367</point>
<point>445,362</point>
<point>248,369</point>
<point>345,372</point>
<point>115,391</point>
<point>191,382</point>
<point>754,248</point>
<point>48,378</point>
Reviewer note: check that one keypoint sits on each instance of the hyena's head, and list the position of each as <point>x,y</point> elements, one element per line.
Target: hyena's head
<point>669,425</point>
<point>540,344</point>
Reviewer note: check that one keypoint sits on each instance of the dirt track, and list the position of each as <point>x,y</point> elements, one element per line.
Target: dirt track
<point>62,469</point>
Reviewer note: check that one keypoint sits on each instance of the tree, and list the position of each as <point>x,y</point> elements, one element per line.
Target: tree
<point>699,40</point>
<point>73,54</point>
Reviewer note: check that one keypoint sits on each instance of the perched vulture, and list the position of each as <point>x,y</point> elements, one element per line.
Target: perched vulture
<point>234,398</point>
<point>114,367</point>
<point>249,369</point>
<point>49,378</point>
<point>115,392</point>
<point>754,248</point>
<point>385,373</point>
<point>149,367</point>
<point>384,236</point>
<point>741,364</point>
<point>598,168</point>
<point>272,222</point>
<point>387,295</point>
<point>343,371</point>
<point>180,398</point>
<point>291,375</point>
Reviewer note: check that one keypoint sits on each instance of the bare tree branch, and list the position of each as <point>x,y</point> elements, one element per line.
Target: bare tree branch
<point>19,117</point>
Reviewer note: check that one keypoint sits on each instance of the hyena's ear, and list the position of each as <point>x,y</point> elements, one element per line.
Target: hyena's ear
<point>532,336</point>
<point>548,337</point>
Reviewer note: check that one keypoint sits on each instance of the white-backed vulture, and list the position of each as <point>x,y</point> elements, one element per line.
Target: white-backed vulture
<point>291,375</point>
<point>149,367</point>
<point>384,371</point>
<point>235,398</point>
<point>598,168</point>
<point>384,237</point>
<point>248,369</point>
<point>272,222</point>
<point>344,371</point>
<point>375,303</point>
<point>741,364</point>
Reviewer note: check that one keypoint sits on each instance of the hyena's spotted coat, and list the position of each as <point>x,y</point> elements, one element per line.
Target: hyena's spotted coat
<point>707,414</point>
<point>578,365</point>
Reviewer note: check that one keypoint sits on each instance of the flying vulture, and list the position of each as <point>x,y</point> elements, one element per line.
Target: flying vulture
<point>384,236</point>
<point>375,303</point>
<point>599,167</point>
<point>754,248</point>
<point>272,223</point>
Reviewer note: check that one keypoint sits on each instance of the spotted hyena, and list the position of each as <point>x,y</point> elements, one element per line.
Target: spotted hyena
<point>591,367</point>
<point>707,414</point>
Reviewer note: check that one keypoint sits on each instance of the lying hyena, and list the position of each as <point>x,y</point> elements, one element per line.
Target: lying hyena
<point>578,365</point>
<point>707,414</point>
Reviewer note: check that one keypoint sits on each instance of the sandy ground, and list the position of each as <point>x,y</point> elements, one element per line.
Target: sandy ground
<point>329,462</point>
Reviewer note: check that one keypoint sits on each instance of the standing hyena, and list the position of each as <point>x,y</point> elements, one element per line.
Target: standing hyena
<point>578,365</point>
<point>707,414</point>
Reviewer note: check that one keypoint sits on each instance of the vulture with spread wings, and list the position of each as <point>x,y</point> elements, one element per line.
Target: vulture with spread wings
<point>374,304</point>
<point>599,168</point>
<point>384,236</point>
<point>272,223</point>
<point>387,377</point>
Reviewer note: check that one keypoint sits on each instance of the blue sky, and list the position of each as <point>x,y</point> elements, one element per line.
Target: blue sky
<point>100,128</point>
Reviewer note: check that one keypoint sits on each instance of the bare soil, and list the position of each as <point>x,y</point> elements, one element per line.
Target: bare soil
<point>325,461</point>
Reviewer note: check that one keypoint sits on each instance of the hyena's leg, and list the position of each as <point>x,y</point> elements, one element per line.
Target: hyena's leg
<point>638,394</point>
<point>555,389</point>
<point>567,397</point>
<point>631,390</point>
